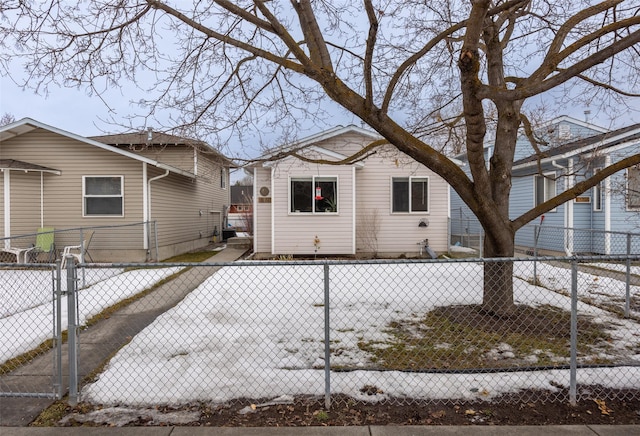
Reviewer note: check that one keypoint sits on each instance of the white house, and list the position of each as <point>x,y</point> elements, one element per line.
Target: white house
<point>384,204</point>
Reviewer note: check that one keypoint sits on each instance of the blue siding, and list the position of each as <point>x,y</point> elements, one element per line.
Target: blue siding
<point>587,233</point>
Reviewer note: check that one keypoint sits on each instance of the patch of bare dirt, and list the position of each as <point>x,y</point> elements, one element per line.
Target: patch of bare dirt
<point>616,409</point>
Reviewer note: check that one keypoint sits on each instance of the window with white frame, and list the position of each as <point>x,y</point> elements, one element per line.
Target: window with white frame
<point>103,195</point>
<point>596,193</point>
<point>544,188</point>
<point>316,194</point>
<point>410,194</point>
<point>633,187</point>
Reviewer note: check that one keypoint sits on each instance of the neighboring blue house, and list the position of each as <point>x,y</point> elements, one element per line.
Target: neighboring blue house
<point>573,150</point>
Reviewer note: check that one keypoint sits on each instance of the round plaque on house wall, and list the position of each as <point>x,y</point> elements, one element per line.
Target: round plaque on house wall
<point>264,191</point>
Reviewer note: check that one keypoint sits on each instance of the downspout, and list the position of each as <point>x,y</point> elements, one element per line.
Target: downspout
<point>273,213</point>
<point>145,208</point>
<point>41,199</point>
<point>607,208</point>
<point>254,208</point>
<point>153,179</point>
<point>354,214</point>
<point>568,209</point>
<point>7,207</point>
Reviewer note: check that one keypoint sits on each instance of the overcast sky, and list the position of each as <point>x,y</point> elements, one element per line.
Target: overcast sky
<point>73,110</point>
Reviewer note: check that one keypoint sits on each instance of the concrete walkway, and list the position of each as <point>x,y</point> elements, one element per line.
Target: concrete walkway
<point>99,342</point>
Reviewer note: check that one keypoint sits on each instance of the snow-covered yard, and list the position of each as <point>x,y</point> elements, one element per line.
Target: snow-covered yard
<point>258,331</point>
<point>26,309</point>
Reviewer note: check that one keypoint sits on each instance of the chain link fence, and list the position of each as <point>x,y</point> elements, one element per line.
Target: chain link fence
<point>105,243</point>
<point>535,239</point>
<point>400,331</point>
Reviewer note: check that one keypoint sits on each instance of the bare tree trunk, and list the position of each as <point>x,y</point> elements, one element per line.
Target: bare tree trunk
<point>498,277</point>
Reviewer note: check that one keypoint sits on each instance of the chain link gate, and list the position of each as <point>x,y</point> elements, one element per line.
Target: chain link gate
<point>31,366</point>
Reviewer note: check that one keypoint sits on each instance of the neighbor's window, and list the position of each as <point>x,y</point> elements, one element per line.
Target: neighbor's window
<point>103,195</point>
<point>314,194</point>
<point>596,193</point>
<point>545,188</point>
<point>633,187</point>
<point>410,194</point>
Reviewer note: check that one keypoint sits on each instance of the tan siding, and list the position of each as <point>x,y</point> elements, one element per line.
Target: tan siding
<point>177,156</point>
<point>295,233</point>
<point>187,209</point>
<point>396,233</point>
<point>63,193</point>
<point>177,199</point>
<point>262,212</point>
<point>399,233</point>
<point>2,205</point>
<point>25,213</point>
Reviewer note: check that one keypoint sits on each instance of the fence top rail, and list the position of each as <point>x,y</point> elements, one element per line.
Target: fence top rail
<point>72,229</point>
<point>568,259</point>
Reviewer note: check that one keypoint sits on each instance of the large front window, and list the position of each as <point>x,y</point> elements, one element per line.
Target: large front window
<point>410,194</point>
<point>314,194</point>
<point>102,195</point>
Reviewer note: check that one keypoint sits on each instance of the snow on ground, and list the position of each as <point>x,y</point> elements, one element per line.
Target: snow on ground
<point>257,332</point>
<point>26,311</point>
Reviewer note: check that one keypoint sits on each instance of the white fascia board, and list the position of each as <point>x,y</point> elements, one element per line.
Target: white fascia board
<point>26,122</point>
<point>572,120</point>
<point>585,149</point>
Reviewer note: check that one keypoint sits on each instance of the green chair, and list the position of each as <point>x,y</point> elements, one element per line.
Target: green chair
<point>44,244</point>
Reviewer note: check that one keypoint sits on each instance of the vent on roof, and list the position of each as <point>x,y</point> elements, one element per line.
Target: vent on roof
<point>149,134</point>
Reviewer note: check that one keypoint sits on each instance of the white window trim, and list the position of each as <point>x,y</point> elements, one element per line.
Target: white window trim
<point>626,191</point>
<point>552,174</point>
<point>597,191</point>
<point>313,180</point>
<point>410,212</point>
<point>84,212</point>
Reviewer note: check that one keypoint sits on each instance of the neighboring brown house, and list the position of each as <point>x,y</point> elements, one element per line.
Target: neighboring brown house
<point>241,208</point>
<point>54,178</point>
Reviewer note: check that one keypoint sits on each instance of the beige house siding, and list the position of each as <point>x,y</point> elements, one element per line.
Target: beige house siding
<point>295,232</point>
<point>176,200</point>
<point>187,218</point>
<point>177,156</point>
<point>390,234</point>
<point>25,213</point>
<point>397,233</point>
<point>262,211</point>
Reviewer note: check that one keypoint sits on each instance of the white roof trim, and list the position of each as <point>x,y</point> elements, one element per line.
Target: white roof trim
<point>572,120</point>
<point>22,126</point>
<point>586,149</point>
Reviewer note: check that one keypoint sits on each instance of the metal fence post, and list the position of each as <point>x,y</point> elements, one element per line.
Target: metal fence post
<point>327,344</point>
<point>72,331</point>
<point>58,330</point>
<point>574,334</point>
<point>536,234</point>
<point>155,237</point>
<point>627,299</point>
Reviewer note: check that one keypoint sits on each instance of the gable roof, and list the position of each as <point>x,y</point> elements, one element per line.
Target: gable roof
<point>150,137</point>
<point>318,137</point>
<point>623,137</point>
<point>489,143</point>
<point>27,125</point>
<point>309,142</point>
